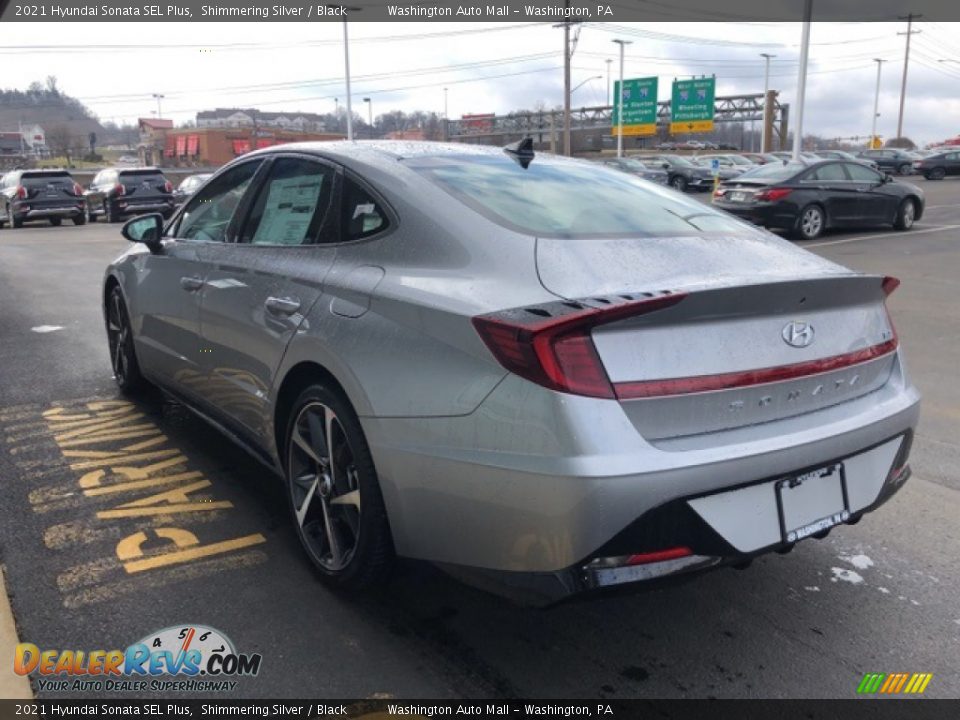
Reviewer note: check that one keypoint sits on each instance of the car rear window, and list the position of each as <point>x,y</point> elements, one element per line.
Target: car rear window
<point>30,180</point>
<point>569,199</point>
<point>774,171</point>
<point>137,176</point>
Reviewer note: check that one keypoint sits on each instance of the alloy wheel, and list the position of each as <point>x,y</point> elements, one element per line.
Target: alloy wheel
<point>908,215</point>
<point>812,222</point>
<point>118,336</point>
<point>324,486</point>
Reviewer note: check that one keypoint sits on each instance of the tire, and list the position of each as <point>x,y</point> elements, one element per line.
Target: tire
<point>109,214</point>
<point>905,169</point>
<point>56,222</point>
<point>679,183</point>
<point>811,223</point>
<point>906,214</point>
<point>348,542</point>
<point>123,356</point>
<point>936,174</point>
<point>16,224</point>
<point>87,215</point>
<point>80,220</point>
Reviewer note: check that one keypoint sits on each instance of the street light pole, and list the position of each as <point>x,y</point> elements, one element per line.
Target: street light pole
<point>609,62</point>
<point>346,64</point>
<point>802,78</point>
<point>766,91</point>
<point>158,97</point>
<point>445,115</point>
<point>622,44</point>
<point>876,102</point>
<point>369,103</point>
<point>580,85</point>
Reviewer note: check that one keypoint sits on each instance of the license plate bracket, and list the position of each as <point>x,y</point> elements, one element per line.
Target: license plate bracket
<point>812,502</point>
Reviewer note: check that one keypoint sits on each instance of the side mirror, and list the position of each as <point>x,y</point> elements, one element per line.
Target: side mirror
<point>666,166</point>
<point>146,229</point>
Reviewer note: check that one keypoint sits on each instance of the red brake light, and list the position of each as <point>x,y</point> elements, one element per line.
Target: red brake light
<point>77,190</point>
<point>719,192</point>
<point>557,351</point>
<point>772,194</point>
<point>890,284</point>
<point>659,556</point>
<point>168,187</point>
<point>119,189</point>
<point>21,192</point>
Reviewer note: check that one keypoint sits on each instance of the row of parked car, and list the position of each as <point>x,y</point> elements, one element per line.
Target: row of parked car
<point>53,196</point>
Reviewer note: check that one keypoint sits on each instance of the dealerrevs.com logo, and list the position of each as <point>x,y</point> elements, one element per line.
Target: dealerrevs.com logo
<point>183,658</point>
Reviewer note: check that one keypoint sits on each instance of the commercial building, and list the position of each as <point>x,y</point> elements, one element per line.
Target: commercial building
<point>211,147</point>
<point>253,118</point>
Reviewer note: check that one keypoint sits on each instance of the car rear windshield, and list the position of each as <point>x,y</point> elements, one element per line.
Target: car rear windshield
<point>30,180</point>
<point>570,199</point>
<point>141,176</point>
<point>774,171</point>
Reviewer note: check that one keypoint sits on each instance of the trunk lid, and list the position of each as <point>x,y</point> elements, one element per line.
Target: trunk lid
<point>144,184</point>
<point>735,351</point>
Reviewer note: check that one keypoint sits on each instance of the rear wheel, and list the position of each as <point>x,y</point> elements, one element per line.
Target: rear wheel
<point>16,223</point>
<point>906,215</point>
<point>109,213</point>
<point>88,217</point>
<point>80,220</point>
<point>123,358</point>
<point>905,169</point>
<point>679,183</point>
<point>55,222</point>
<point>335,497</point>
<point>936,174</point>
<point>811,223</point>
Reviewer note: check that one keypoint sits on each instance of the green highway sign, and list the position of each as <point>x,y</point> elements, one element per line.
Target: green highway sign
<point>639,106</point>
<point>691,108</point>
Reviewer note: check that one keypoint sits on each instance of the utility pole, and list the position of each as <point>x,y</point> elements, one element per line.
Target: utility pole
<point>609,62</point>
<point>369,103</point>
<point>906,62</point>
<point>445,115</point>
<point>567,55</point>
<point>158,97</point>
<point>622,44</point>
<point>764,139</point>
<point>876,102</point>
<point>802,78</point>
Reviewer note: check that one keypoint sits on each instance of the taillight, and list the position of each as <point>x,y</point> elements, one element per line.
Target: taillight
<point>772,194</point>
<point>719,192</point>
<point>168,187</point>
<point>21,192</point>
<point>553,347</point>
<point>77,190</point>
<point>119,189</point>
<point>889,285</point>
<point>658,556</point>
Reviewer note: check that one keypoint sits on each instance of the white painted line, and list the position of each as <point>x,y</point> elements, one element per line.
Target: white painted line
<point>889,233</point>
<point>46,328</point>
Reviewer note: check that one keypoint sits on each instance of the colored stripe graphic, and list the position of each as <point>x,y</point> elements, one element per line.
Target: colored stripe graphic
<point>894,683</point>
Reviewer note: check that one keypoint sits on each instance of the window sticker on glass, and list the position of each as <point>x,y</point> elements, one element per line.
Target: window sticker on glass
<point>363,209</point>
<point>288,210</point>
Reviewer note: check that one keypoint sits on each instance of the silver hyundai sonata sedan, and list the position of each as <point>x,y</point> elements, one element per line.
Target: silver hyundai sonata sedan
<point>541,374</point>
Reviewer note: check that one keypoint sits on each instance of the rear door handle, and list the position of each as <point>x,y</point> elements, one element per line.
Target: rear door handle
<point>191,283</point>
<point>282,305</point>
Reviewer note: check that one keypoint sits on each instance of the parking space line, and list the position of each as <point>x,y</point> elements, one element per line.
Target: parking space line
<point>842,241</point>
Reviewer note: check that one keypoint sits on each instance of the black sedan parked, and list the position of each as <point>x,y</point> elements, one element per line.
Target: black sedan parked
<point>682,174</point>
<point>937,167</point>
<point>119,192</point>
<point>807,199</point>
<point>890,160</point>
<point>48,195</point>
<point>636,167</point>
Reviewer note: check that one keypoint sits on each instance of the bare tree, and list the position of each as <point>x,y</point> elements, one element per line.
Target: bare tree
<point>61,141</point>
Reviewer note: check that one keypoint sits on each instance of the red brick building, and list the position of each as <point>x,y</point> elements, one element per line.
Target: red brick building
<point>211,147</point>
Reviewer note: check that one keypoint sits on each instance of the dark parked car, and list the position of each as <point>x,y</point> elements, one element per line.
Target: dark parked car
<point>188,187</point>
<point>636,167</point>
<point>889,160</point>
<point>119,192</point>
<point>682,174</point>
<point>49,195</point>
<point>807,199</point>
<point>937,167</point>
<point>726,170</point>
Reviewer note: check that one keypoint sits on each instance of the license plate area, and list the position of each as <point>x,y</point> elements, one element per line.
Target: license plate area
<point>738,196</point>
<point>812,502</point>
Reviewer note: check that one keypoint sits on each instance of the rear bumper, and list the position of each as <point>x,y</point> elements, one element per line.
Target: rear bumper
<point>32,212</point>
<point>527,501</point>
<point>142,207</point>
<point>769,215</point>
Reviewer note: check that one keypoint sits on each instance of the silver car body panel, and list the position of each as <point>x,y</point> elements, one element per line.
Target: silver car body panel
<point>478,466</point>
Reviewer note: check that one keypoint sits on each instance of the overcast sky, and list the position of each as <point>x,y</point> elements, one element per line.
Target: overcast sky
<point>487,67</point>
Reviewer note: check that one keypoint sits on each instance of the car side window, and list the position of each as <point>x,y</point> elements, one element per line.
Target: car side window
<point>861,173</point>
<point>292,205</point>
<point>953,156</point>
<point>362,214</point>
<point>208,213</point>
<point>827,173</point>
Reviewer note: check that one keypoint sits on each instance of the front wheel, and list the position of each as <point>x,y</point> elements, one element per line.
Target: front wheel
<point>906,215</point>
<point>109,214</point>
<point>679,183</point>
<point>87,215</point>
<point>811,223</point>
<point>123,358</point>
<point>905,169</point>
<point>335,498</point>
<point>80,220</point>
<point>936,174</point>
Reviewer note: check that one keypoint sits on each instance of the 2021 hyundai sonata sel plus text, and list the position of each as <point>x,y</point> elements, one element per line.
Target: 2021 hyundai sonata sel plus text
<point>543,375</point>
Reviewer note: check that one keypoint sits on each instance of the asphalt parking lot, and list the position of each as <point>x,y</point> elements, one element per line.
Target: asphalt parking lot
<point>880,596</point>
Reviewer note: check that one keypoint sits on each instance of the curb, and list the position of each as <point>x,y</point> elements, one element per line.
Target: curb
<point>12,686</point>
